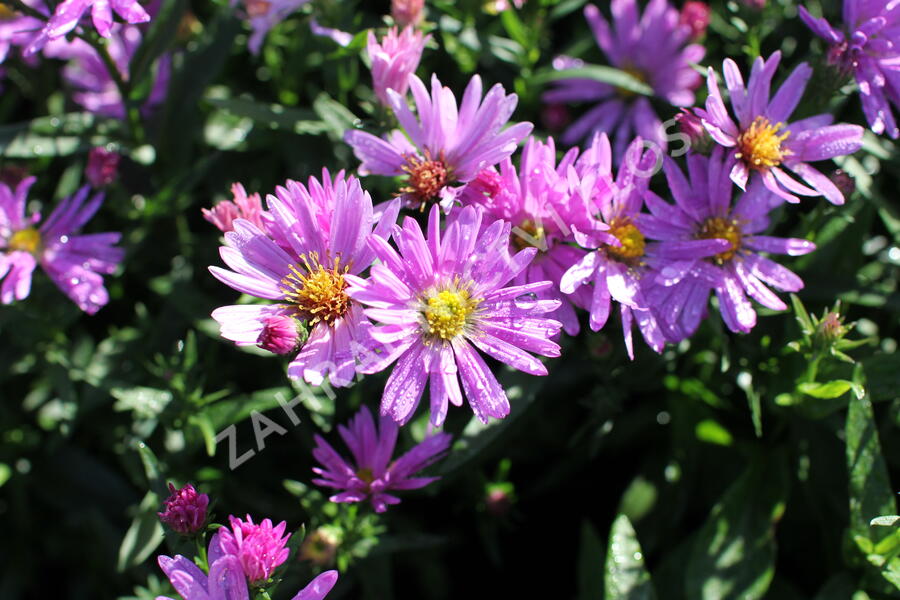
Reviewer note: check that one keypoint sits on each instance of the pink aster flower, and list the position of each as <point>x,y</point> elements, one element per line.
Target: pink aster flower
<point>446,146</point>
<point>764,141</point>
<point>394,59</point>
<point>372,474</point>
<point>185,509</point>
<point>69,12</point>
<point>537,202</point>
<point>74,262</point>
<point>654,48</point>
<point>245,552</point>
<point>316,241</point>
<point>868,47</point>
<point>407,12</point>
<point>241,206</point>
<point>442,297</point>
<point>704,210</point>
<point>93,86</point>
<point>266,14</point>
<point>622,264</point>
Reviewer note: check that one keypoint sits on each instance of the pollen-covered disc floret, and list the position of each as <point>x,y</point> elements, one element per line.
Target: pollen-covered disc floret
<point>760,145</point>
<point>442,297</point>
<point>314,238</point>
<point>426,177</point>
<point>629,236</point>
<point>317,292</point>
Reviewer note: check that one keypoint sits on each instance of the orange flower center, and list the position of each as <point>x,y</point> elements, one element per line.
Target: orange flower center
<point>257,8</point>
<point>529,235</point>
<point>427,177</point>
<point>719,228</point>
<point>759,146</point>
<point>319,292</point>
<point>7,13</point>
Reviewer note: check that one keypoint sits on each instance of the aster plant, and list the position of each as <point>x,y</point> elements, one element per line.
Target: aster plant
<point>394,58</point>
<point>867,47</point>
<point>75,262</point>
<point>441,298</point>
<point>446,146</point>
<point>372,474</point>
<point>764,142</point>
<point>68,13</point>
<point>704,210</point>
<point>653,47</point>
<point>320,234</point>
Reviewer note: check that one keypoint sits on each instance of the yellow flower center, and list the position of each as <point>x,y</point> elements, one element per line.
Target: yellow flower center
<point>427,177</point>
<point>7,13</point>
<point>319,293</point>
<point>759,146</point>
<point>528,235</point>
<point>366,475</point>
<point>629,236</point>
<point>447,312</point>
<point>26,240</point>
<point>719,228</point>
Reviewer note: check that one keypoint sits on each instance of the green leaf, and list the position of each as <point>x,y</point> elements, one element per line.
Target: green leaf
<point>826,391</point>
<point>143,536</point>
<point>882,376</point>
<point>160,34</point>
<point>590,559</point>
<point>335,116</point>
<point>614,77</point>
<point>711,432</point>
<point>733,556</point>
<point>871,493</point>
<point>806,324</point>
<point>886,521</point>
<point>144,402</point>
<point>274,116</point>
<point>626,576</point>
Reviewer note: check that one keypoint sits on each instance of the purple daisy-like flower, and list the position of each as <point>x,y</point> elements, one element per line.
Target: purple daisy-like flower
<point>231,552</point>
<point>93,86</point>
<point>447,145</point>
<point>654,48</point>
<point>74,262</point>
<point>17,29</point>
<point>763,140</point>
<point>622,264</point>
<point>372,474</point>
<point>703,210</point>
<point>394,59</point>
<point>69,12</point>
<point>536,200</point>
<point>266,14</point>
<point>316,239</point>
<point>868,48</point>
<point>440,298</point>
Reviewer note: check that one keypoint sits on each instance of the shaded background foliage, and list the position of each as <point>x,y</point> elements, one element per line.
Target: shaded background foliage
<point>719,469</point>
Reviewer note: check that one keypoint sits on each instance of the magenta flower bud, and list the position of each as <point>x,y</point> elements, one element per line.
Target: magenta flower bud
<point>844,182</point>
<point>242,206</point>
<point>259,548</point>
<point>185,510</point>
<point>690,125</point>
<point>279,335</point>
<point>102,167</point>
<point>407,12</point>
<point>394,59</point>
<point>695,14</point>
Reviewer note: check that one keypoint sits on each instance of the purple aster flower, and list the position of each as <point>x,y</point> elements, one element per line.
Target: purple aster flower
<point>231,552</point>
<point>762,138</point>
<point>17,29</point>
<point>703,210</point>
<point>185,509</point>
<point>654,48</point>
<point>338,36</point>
<point>266,14</point>
<point>316,240</point>
<point>537,202</point>
<point>622,264</point>
<point>869,49</point>
<point>372,474</point>
<point>442,297</point>
<point>446,145</point>
<point>69,12</point>
<point>93,85</point>
<point>394,59</point>
<point>74,262</point>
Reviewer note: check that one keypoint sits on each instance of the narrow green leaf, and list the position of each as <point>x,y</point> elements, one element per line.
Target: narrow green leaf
<point>162,31</point>
<point>886,521</point>
<point>336,117</point>
<point>612,76</point>
<point>826,391</point>
<point>143,536</point>
<point>806,324</point>
<point>590,564</point>
<point>626,577</point>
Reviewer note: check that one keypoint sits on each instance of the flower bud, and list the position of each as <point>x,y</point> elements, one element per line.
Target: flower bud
<point>407,12</point>
<point>185,510</point>
<point>279,335</point>
<point>102,167</point>
<point>695,15</point>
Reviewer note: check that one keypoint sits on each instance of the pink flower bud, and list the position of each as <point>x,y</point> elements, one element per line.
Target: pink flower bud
<point>394,59</point>
<point>279,335</point>
<point>185,510</point>
<point>407,12</point>
<point>242,206</point>
<point>695,14</point>
<point>102,167</point>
